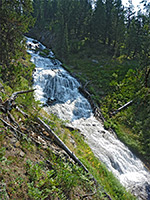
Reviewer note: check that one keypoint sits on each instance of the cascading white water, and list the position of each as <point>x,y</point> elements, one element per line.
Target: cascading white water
<point>54,83</point>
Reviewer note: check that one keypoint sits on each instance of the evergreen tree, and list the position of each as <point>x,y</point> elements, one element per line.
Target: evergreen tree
<point>98,22</point>
<point>15,20</point>
<point>118,26</point>
<point>108,26</point>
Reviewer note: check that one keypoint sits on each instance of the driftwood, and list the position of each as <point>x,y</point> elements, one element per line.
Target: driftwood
<point>60,143</point>
<point>7,106</point>
<point>121,108</point>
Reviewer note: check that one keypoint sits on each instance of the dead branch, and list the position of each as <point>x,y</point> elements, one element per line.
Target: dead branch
<point>14,129</point>
<point>8,103</point>
<point>7,106</point>
<point>15,94</point>
<point>22,112</point>
<point>67,150</point>
<point>84,87</point>
<point>12,119</point>
<point>58,141</point>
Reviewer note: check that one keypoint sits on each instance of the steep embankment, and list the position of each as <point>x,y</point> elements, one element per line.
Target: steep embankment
<point>32,165</point>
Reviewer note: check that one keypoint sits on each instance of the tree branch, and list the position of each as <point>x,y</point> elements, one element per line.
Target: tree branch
<point>14,129</point>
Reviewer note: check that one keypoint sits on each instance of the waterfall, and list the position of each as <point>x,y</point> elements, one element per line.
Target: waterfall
<point>54,84</point>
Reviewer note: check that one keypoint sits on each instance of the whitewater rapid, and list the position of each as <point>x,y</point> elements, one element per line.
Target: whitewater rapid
<point>54,84</point>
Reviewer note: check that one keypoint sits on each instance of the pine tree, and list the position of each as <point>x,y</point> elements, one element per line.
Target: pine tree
<point>98,22</point>
<point>118,26</point>
<point>15,20</point>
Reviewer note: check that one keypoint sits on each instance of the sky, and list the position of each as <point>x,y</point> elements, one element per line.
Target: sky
<point>134,2</point>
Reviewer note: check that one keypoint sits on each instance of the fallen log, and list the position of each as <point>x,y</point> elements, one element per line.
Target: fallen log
<point>96,110</point>
<point>15,94</point>
<point>121,108</point>
<point>51,134</point>
<point>87,195</point>
<point>61,144</point>
<point>12,119</point>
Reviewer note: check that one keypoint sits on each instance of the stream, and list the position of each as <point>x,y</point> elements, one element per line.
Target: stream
<point>56,85</point>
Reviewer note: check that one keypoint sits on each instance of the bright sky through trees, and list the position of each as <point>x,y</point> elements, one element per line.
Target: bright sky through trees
<point>135,3</point>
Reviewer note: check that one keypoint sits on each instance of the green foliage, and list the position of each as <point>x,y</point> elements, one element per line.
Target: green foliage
<point>58,182</point>
<point>135,116</point>
<point>15,21</point>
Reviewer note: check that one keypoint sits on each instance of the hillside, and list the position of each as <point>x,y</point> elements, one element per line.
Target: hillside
<point>33,166</point>
<point>107,50</point>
